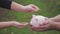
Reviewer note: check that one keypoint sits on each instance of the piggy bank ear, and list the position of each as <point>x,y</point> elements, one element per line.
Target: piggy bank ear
<point>33,15</point>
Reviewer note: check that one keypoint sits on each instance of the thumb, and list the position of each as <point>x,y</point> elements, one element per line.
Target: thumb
<point>24,24</point>
<point>44,23</point>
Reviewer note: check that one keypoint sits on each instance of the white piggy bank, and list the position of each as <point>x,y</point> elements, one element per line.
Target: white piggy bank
<point>37,20</point>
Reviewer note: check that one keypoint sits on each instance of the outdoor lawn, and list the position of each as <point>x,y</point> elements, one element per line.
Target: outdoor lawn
<point>48,8</point>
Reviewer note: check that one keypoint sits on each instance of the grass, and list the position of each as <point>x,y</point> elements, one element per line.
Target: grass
<point>21,17</point>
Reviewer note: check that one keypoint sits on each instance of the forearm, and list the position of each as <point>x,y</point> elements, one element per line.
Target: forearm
<point>5,24</point>
<point>17,7</point>
<point>11,5</point>
<point>56,18</point>
<point>57,25</point>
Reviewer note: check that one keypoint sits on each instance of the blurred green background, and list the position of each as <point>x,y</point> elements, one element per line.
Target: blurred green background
<point>49,8</point>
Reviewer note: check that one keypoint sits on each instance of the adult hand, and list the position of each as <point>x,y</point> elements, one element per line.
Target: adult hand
<point>31,8</point>
<point>48,24</point>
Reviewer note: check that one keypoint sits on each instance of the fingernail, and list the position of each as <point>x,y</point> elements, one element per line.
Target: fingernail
<point>33,7</point>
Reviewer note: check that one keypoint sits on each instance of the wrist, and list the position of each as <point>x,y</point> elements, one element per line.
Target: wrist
<point>24,8</point>
<point>56,25</point>
<point>53,25</point>
<point>12,23</point>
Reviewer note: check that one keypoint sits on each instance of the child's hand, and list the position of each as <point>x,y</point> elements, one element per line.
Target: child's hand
<point>19,25</point>
<point>31,8</point>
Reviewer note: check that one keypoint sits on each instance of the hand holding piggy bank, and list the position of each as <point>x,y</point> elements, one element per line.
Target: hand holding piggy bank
<point>37,20</point>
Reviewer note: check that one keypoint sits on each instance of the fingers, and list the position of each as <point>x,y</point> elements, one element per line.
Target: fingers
<point>46,22</point>
<point>34,7</point>
<point>38,29</point>
<point>41,28</point>
<point>25,24</point>
<point>20,25</point>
